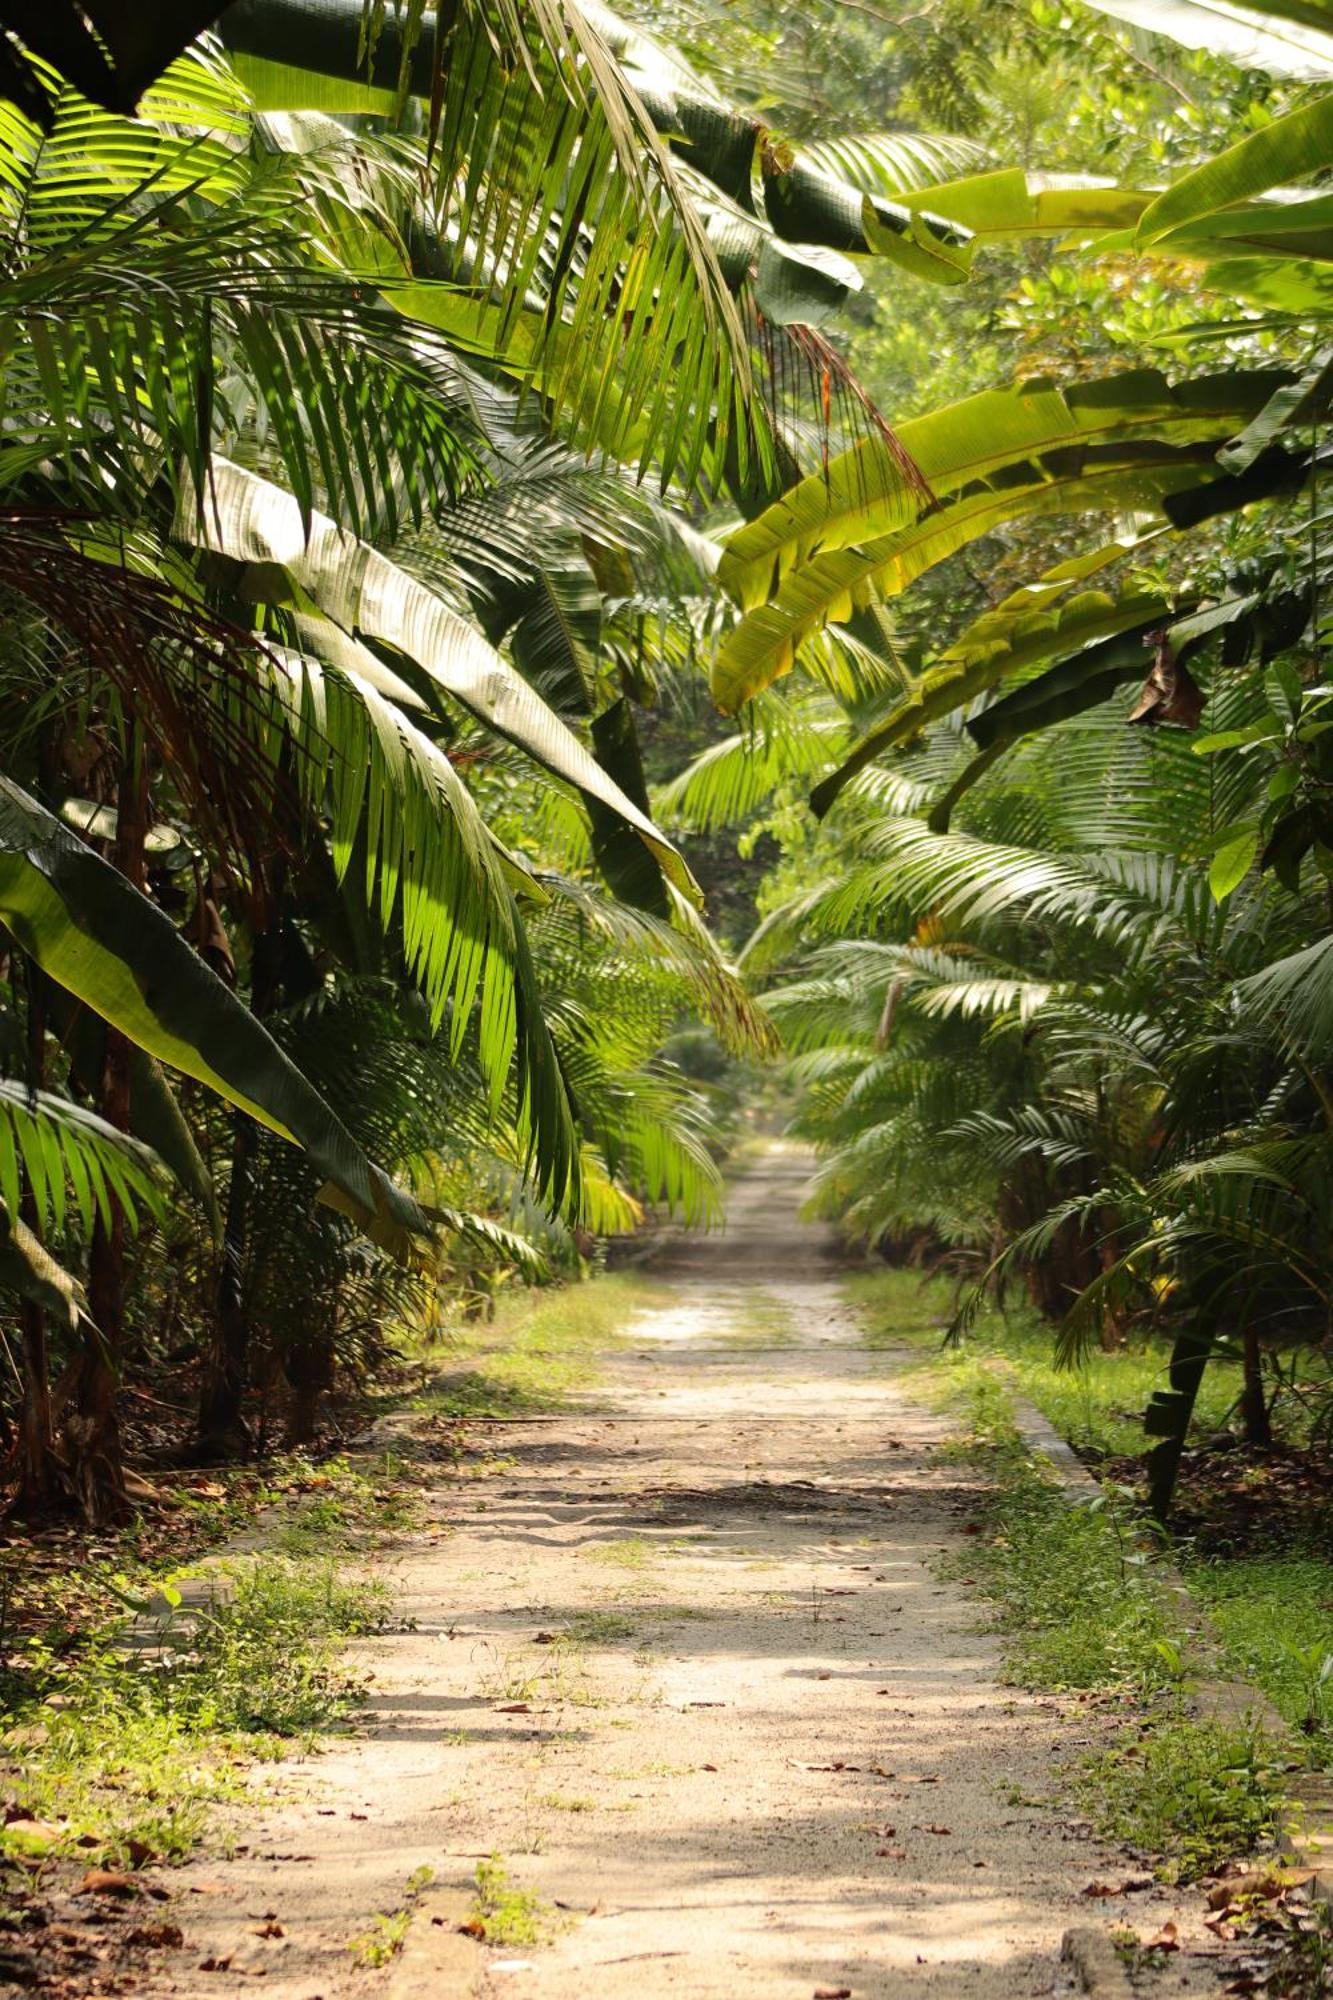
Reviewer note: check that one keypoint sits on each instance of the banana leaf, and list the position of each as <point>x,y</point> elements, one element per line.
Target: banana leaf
<point>95,934</point>
<point>256,523</point>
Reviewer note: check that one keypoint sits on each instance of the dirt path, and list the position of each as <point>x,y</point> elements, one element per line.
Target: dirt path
<point>687,1668</point>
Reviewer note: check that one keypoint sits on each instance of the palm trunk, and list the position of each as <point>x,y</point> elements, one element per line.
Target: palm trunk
<point>223,1431</point>
<point>37,1483</point>
<point>93,1446</point>
<point>1253,1402</point>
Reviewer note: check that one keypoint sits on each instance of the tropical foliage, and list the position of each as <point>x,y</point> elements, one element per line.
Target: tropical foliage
<point>1057,988</point>
<point>404,413</point>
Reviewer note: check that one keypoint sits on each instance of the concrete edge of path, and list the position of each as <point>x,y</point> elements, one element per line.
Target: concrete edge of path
<point>1306,1832</point>
<point>1097,1963</point>
<point>438,1961</point>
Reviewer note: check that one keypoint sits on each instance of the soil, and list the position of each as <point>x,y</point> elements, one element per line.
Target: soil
<point>684,1663</point>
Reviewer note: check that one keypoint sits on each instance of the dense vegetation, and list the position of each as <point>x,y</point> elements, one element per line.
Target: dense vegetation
<point>402,421</point>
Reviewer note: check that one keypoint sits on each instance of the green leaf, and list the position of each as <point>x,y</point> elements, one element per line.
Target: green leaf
<point>256,523</point>
<point>1232,863</point>
<point>1027,627</point>
<point>93,932</point>
<point>1288,37</point>
<point>867,493</point>
<point>1289,149</point>
<point>28,1269</point>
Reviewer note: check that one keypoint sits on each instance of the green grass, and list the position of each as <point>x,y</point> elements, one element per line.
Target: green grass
<point>1197,1794</point>
<point>386,1934</point>
<point>349,1504</point>
<point>1098,1405</point>
<point>541,1349</point>
<point>505,1913</point>
<point>1077,1602</point>
<point>1273,1612</point>
<point>755,1319</point>
<point>120,1749</point>
<point>1071,1585</point>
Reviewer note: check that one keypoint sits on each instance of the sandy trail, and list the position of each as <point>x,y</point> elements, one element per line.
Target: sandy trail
<point>687,1667</point>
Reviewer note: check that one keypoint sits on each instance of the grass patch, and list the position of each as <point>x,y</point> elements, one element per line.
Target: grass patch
<point>1272,1609</point>
<point>1071,1584</point>
<point>1098,1405</point>
<point>541,1349</point>
<point>598,1628</point>
<point>1076,1600</point>
<point>632,1552</point>
<point>346,1504</point>
<point>502,1912</point>
<point>755,1318</point>
<point>386,1934</point>
<point>1196,1793</point>
<point>1274,1614</point>
<point>118,1750</point>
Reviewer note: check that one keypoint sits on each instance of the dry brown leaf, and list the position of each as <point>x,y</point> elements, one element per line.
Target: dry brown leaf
<point>158,1937</point>
<point>105,1882</point>
<point>1167,1939</point>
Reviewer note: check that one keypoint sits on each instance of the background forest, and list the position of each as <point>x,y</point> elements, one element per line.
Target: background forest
<point>416,432</point>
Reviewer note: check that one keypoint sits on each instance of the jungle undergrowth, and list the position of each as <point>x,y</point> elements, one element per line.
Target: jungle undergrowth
<point>1267,1588</point>
<point>1076,1599</point>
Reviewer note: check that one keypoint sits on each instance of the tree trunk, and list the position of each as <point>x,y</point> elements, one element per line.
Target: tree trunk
<point>37,1482</point>
<point>92,1439</point>
<point>1253,1402</point>
<point>223,1432</point>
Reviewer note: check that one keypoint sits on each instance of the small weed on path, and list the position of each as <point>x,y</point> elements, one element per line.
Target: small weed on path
<point>386,1933</point>
<point>504,1913</point>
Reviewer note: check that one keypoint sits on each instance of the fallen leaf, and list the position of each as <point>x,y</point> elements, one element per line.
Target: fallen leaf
<point>271,1929</point>
<point>140,1852</point>
<point>544,1639</point>
<point>892,1853</point>
<point>514,1708</point>
<point>158,1937</point>
<point>1264,1884</point>
<point>473,1928</point>
<point>1167,1939</point>
<point>708,1767</point>
<point>935,1829</point>
<point>833,1993</point>
<point>104,1882</point>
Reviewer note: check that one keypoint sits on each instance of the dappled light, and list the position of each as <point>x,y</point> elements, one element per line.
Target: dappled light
<point>666,1020</point>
